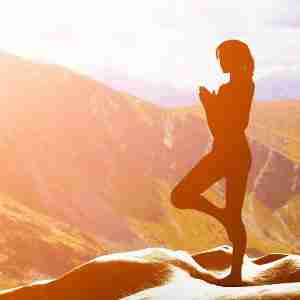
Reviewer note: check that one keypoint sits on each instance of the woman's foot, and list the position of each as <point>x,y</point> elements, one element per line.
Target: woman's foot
<point>231,280</point>
<point>204,205</point>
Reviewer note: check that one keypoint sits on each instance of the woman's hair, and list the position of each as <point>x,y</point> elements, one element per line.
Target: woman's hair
<point>238,54</point>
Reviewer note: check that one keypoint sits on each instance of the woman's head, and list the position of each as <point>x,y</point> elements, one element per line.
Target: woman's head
<point>235,56</point>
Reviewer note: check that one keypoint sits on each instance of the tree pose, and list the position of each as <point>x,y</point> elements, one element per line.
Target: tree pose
<point>227,113</point>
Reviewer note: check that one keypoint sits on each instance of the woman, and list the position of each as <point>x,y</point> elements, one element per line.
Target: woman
<point>230,157</point>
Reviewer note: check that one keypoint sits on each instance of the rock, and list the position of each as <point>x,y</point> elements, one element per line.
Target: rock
<point>160,273</point>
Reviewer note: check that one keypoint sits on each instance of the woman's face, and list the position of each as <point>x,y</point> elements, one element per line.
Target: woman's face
<point>224,63</point>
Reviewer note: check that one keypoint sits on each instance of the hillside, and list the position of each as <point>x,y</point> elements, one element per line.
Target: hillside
<point>35,246</point>
<point>104,162</point>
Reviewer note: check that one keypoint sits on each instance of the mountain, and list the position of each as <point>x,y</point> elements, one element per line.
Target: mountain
<point>280,84</point>
<point>160,93</point>
<point>69,145</point>
<point>161,273</point>
<point>34,245</point>
<point>104,162</point>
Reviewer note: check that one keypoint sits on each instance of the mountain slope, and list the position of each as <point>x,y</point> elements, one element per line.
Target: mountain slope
<point>105,162</point>
<point>34,245</point>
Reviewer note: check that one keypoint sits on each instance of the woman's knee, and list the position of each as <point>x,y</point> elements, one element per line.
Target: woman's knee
<point>177,197</point>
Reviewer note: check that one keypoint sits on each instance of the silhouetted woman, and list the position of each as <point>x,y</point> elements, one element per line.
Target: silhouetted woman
<point>227,115</point>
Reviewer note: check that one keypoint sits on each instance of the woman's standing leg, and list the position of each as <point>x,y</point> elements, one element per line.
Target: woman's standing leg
<point>186,194</point>
<point>236,184</point>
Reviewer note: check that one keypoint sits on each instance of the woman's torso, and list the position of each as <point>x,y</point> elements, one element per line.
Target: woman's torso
<point>235,156</point>
<point>229,122</point>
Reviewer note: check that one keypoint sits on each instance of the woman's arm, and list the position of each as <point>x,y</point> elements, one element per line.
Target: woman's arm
<point>245,108</point>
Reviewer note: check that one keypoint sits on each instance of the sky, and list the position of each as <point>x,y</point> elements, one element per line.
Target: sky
<point>159,40</point>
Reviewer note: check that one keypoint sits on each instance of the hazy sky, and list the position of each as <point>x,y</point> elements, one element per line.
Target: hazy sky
<point>159,40</point>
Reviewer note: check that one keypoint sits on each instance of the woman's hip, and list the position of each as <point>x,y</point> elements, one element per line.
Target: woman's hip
<point>235,157</point>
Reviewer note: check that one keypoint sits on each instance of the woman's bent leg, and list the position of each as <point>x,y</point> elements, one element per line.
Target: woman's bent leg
<point>186,194</point>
